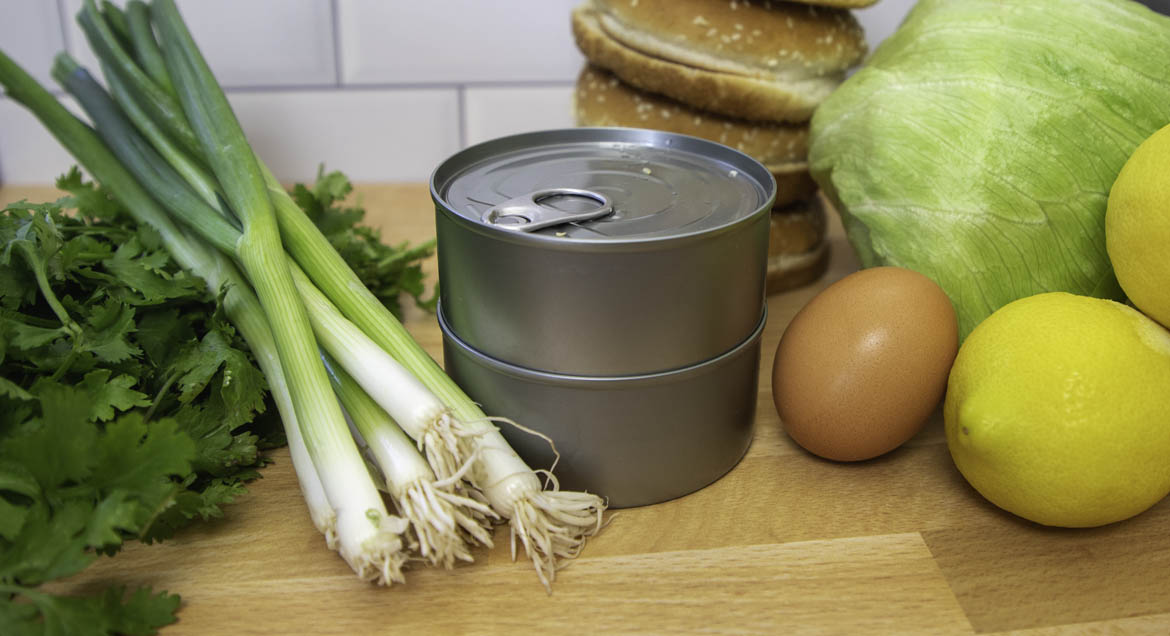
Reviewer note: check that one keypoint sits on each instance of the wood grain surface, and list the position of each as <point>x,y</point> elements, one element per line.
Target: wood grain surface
<point>786,542</point>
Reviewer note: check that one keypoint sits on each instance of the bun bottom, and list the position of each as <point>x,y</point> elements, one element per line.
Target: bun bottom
<point>601,99</point>
<point>798,253</point>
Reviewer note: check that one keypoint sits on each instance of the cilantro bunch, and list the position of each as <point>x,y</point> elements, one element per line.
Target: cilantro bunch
<point>129,406</point>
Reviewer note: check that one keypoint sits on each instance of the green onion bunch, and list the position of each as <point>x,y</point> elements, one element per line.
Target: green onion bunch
<point>163,140</point>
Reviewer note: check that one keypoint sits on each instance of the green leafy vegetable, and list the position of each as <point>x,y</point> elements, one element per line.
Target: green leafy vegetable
<point>389,269</point>
<point>175,155</point>
<point>128,405</point>
<point>100,442</point>
<point>979,143</point>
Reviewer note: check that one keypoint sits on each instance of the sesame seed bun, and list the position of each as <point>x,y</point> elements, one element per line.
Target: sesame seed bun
<point>601,99</point>
<point>770,61</point>
<point>798,253</point>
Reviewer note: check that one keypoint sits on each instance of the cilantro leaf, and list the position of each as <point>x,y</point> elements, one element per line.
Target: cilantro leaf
<point>86,198</point>
<point>50,544</point>
<point>163,331</point>
<point>107,332</point>
<point>56,447</point>
<point>144,273</point>
<point>110,612</point>
<point>23,336</point>
<point>129,407</point>
<point>108,395</point>
<point>143,612</point>
<point>140,459</point>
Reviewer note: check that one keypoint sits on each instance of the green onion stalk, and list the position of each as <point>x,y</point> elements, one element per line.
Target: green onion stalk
<point>444,524</point>
<point>171,126</point>
<point>240,304</point>
<point>551,524</point>
<point>368,537</point>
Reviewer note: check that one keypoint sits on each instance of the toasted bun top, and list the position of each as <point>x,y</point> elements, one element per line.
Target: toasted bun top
<point>782,100</point>
<point>601,99</point>
<point>755,38</point>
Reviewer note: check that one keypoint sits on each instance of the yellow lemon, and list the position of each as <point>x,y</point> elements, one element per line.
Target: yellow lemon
<point>1137,227</point>
<point>1058,410</point>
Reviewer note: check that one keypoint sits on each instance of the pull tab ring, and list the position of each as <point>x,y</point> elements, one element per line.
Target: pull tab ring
<point>525,214</point>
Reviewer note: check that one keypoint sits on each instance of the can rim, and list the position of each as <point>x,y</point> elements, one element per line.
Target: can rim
<point>483,150</point>
<point>599,382</point>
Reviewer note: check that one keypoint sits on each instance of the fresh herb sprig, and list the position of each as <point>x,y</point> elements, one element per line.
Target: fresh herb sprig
<point>129,405</point>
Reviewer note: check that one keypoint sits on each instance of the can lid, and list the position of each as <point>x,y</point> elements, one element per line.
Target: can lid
<point>603,184</point>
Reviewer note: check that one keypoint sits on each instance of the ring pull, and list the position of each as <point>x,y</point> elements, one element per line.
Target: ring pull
<point>525,213</point>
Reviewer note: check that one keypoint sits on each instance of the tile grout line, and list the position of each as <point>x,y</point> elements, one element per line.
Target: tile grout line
<point>333,13</point>
<point>343,87</point>
<point>461,113</point>
<point>63,23</point>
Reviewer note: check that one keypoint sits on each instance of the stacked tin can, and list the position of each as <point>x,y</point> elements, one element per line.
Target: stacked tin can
<point>605,287</point>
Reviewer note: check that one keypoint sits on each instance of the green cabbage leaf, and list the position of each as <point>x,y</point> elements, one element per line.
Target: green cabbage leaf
<point>978,144</point>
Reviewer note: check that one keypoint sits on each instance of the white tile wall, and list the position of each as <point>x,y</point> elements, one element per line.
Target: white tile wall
<point>497,111</point>
<point>370,135</point>
<point>264,43</point>
<point>28,153</point>
<point>381,89</point>
<point>880,20</point>
<point>456,41</point>
<point>31,34</point>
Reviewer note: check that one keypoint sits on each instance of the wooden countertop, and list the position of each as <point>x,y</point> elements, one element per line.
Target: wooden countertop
<point>785,542</point>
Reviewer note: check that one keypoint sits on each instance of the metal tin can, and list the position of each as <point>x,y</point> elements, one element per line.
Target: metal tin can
<point>605,287</point>
<point>635,439</point>
<point>602,251</point>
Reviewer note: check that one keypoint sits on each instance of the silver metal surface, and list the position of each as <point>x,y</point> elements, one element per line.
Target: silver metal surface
<point>637,439</point>
<point>534,211</point>
<point>674,275</point>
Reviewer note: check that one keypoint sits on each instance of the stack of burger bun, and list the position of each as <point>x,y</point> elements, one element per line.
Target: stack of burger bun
<point>745,73</point>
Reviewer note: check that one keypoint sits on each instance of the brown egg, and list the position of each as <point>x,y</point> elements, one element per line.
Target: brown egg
<point>862,366</point>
